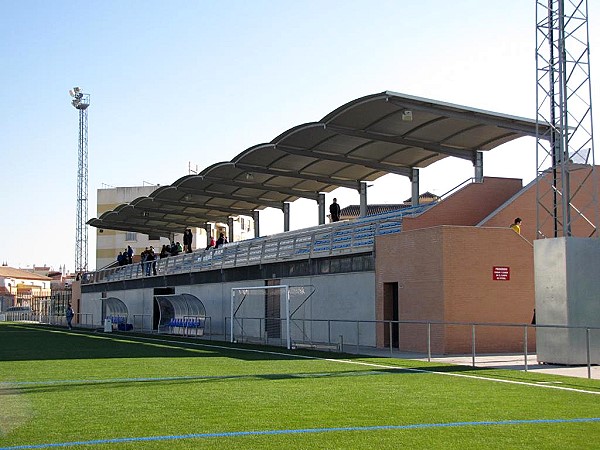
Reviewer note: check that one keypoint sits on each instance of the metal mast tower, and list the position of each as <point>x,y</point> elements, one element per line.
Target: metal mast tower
<point>565,154</point>
<point>81,102</point>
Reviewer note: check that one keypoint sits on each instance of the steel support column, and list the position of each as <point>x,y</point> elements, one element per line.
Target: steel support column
<point>230,227</point>
<point>321,205</point>
<point>256,218</point>
<point>478,166</point>
<point>414,180</point>
<point>363,198</point>
<point>286,217</point>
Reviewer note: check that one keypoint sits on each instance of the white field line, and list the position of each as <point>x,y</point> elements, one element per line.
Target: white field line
<point>381,366</point>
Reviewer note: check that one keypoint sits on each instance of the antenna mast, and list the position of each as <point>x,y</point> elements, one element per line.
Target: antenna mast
<point>81,102</point>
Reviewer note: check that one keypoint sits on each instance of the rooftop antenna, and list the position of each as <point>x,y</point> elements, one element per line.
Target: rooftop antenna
<point>81,102</point>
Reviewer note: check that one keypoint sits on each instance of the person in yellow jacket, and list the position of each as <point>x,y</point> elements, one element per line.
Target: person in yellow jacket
<point>516,226</point>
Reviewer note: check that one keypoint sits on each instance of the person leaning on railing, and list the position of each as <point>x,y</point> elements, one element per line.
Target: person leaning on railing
<point>516,225</point>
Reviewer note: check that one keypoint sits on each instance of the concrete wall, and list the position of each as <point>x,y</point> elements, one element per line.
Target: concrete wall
<point>567,290</point>
<point>446,274</point>
<point>340,299</point>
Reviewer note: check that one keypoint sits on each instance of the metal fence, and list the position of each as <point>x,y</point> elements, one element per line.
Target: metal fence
<point>81,320</point>
<point>361,337</point>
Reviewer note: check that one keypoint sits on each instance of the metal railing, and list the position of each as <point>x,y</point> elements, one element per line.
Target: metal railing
<point>361,337</point>
<point>346,237</point>
<point>80,320</point>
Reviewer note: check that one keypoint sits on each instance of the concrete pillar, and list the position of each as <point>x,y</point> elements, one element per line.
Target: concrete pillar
<point>363,198</point>
<point>414,180</point>
<point>256,218</point>
<point>567,280</point>
<point>286,217</point>
<point>321,204</point>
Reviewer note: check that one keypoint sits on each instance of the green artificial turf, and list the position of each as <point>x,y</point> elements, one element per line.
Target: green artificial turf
<point>58,387</point>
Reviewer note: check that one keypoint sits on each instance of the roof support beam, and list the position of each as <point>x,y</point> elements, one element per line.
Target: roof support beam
<point>371,136</point>
<point>155,214</point>
<point>181,218</point>
<point>267,203</point>
<point>131,228</point>
<point>172,225</point>
<point>285,173</point>
<point>523,126</point>
<point>282,190</point>
<point>226,211</point>
<point>399,170</point>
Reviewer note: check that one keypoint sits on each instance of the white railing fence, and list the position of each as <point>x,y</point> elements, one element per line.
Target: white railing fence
<point>346,237</point>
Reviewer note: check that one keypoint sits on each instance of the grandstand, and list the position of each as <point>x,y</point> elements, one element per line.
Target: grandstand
<point>438,266</point>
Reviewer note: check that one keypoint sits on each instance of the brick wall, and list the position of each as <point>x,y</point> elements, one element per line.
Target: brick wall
<point>469,205</point>
<point>524,206</point>
<point>445,274</point>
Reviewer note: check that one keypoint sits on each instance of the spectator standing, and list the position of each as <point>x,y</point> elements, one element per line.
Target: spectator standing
<point>150,261</point>
<point>143,258</point>
<point>188,237</point>
<point>335,211</point>
<point>69,315</point>
<point>129,254</point>
<point>153,257</point>
<point>222,240</point>
<point>164,251</point>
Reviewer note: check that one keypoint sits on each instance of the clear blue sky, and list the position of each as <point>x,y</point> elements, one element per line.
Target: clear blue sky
<point>180,82</point>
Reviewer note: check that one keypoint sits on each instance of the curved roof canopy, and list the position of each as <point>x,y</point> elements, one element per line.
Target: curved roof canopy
<point>360,141</point>
<point>179,306</point>
<point>113,306</point>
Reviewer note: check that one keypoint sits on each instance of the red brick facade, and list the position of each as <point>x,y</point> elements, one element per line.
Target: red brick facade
<point>445,273</point>
<point>442,265</point>
<point>468,206</point>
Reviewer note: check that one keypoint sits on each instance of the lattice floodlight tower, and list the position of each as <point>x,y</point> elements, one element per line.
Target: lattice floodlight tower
<point>269,314</point>
<point>81,102</point>
<point>567,274</point>
<point>565,153</point>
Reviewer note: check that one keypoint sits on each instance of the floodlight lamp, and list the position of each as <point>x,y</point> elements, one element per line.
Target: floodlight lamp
<point>249,176</point>
<point>76,93</point>
<point>407,115</point>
